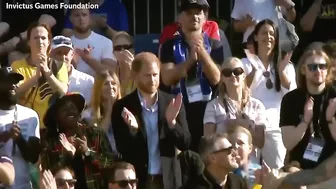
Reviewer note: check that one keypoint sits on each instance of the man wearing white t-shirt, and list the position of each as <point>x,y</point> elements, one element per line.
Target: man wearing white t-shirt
<point>19,127</point>
<point>62,50</point>
<point>95,51</point>
<point>247,13</point>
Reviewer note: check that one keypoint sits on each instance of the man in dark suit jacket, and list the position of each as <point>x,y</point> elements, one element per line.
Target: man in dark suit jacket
<point>149,125</point>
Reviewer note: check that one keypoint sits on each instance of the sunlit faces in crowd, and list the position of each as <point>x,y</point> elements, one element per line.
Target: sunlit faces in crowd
<point>123,177</point>
<point>80,19</point>
<point>233,72</point>
<point>241,140</point>
<point>65,179</point>
<point>39,38</point>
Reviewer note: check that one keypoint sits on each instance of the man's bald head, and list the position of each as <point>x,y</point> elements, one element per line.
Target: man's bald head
<point>144,58</point>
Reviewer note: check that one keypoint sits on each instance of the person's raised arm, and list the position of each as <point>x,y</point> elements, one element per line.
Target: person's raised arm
<point>293,134</point>
<point>307,21</point>
<point>323,172</point>
<point>170,72</point>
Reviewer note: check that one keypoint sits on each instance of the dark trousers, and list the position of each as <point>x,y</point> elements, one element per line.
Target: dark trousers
<point>195,113</point>
<point>154,182</point>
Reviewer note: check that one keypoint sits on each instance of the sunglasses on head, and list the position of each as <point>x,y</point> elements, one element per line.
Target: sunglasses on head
<point>269,83</point>
<point>227,72</point>
<point>229,149</point>
<point>315,66</point>
<point>123,47</point>
<point>61,41</point>
<point>62,182</point>
<point>125,183</point>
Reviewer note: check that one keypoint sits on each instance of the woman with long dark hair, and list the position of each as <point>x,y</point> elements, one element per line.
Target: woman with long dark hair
<point>270,77</point>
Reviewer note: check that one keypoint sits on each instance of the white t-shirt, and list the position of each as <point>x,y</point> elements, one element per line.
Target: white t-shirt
<point>28,122</point>
<point>82,83</point>
<point>102,48</point>
<point>258,9</point>
<point>274,150</point>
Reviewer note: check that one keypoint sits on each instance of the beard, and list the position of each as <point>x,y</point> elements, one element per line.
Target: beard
<point>147,88</point>
<point>82,30</point>
<point>8,98</point>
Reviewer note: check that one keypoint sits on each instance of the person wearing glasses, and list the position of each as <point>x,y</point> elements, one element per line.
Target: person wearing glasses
<point>190,65</point>
<point>62,50</point>
<point>270,78</point>
<point>124,53</point>
<point>64,178</point>
<point>122,176</point>
<point>61,178</point>
<point>220,159</point>
<point>234,105</point>
<point>309,127</point>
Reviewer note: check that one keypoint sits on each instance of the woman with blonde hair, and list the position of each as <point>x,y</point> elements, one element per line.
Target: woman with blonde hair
<point>124,52</point>
<point>234,105</point>
<point>106,90</point>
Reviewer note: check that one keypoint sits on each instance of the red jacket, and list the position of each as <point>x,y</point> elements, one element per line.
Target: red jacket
<point>210,27</point>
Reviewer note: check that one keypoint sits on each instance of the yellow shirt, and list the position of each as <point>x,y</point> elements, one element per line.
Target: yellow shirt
<point>38,98</point>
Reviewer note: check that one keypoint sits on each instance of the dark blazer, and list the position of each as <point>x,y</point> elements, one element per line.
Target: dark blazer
<point>133,148</point>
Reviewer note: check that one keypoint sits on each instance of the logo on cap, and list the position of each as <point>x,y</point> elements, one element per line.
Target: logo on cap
<point>9,69</point>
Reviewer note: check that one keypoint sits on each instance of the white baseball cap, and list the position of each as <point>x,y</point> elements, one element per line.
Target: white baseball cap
<point>61,41</point>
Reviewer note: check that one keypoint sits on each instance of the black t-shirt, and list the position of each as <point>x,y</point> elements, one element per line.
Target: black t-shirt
<point>291,114</point>
<point>207,181</point>
<point>323,28</point>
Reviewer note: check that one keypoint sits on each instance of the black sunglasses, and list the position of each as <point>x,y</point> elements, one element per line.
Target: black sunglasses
<point>314,66</point>
<point>125,183</point>
<point>229,149</point>
<point>62,182</point>
<point>227,72</point>
<point>123,47</point>
<point>61,41</point>
<point>269,83</point>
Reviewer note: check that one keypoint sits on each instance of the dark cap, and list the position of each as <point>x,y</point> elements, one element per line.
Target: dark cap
<point>7,73</point>
<point>188,4</point>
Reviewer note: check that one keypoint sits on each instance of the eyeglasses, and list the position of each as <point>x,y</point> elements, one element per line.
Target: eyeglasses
<point>123,47</point>
<point>229,149</point>
<point>269,83</point>
<point>62,182</point>
<point>227,72</point>
<point>125,183</point>
<point>313,67</point>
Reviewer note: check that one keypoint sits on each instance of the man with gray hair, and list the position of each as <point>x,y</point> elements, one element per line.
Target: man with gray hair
<point>220,159</point>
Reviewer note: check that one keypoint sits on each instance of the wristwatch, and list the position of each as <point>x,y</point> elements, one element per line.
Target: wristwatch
<point>87,153</point>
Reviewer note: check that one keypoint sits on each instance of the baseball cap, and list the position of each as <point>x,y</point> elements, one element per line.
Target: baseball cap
<point>7,73</point>
<point>61,41</point>
<point>188,4</point>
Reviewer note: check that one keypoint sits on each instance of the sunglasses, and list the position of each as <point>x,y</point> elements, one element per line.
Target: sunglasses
<point>125,183</point>
<point>313,67</point>
<point>61,41</point>
<point>269,83</point>
<point>62,182</point>
<point>227,72</point>
<point>123,47</point>
<point>229,149</point>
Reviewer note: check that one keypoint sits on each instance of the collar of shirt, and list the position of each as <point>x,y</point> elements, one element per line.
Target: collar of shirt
<point>154,107</point>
